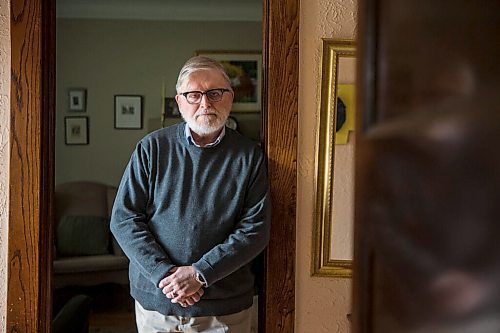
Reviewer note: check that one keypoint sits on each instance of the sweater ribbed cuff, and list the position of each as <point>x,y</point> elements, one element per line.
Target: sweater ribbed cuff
<point>206,271</point>
<point>160,272</point>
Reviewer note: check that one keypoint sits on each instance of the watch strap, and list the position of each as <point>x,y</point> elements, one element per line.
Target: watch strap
<point>200,279</point>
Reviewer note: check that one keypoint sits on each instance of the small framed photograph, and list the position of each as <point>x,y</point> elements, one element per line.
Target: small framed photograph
<point>128,111</point>
<point>245,72</point>
<point>76,130</point>
<point>171,108</point>
<point>77,99</point>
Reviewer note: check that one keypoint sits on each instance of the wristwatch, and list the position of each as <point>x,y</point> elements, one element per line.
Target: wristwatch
<point>200,279</point>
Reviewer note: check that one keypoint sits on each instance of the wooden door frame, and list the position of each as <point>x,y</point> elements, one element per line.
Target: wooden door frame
<point>32,166</point>
<point>31,170</point>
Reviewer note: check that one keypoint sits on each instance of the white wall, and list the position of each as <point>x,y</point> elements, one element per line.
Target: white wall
<point>110,57</point>
<point>321,303</point>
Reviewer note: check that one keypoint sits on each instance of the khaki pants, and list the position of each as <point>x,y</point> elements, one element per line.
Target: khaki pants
<point>155,322</point>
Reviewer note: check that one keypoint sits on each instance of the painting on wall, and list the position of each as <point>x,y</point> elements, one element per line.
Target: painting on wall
<point>76,131</point>
<point>332,251</point>
<point>345,113</point>
<point>128,111</point>
<point>171,108</point>
<point>245,72</point>
<point>77,99</point>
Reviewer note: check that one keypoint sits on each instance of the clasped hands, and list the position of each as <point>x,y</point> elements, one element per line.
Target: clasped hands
<point>181,286</point>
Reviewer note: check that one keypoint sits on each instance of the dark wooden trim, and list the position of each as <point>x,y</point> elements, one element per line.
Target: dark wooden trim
<point>280,128</point>
<point>31,165</point>
<point>48,156</point>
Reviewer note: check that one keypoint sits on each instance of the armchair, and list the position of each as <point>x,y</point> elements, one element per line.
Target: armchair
<point>86,252</point>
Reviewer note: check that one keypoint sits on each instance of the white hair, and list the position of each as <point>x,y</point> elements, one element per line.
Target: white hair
<point>199,63</point>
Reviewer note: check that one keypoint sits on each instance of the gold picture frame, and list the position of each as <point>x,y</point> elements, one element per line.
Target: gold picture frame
<point>324,262</point>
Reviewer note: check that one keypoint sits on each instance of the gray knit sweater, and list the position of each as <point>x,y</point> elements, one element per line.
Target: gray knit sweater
<point>178,204</point>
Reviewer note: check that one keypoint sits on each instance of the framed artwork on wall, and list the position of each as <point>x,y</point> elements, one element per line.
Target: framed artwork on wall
<point>76,130</point>
<point>245,72</point>
<point>332,251</point>
<point>171,108</point>
<point>128,111</point>
<point>77,99</point>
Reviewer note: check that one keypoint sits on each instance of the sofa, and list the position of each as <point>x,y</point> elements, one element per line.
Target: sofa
<point>86,254</point>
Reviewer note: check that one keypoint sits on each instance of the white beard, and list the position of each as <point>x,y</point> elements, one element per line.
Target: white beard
<point>203,125</point>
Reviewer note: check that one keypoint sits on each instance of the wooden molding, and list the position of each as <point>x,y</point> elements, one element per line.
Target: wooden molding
<point>31,165</point>
<point>280,128</point>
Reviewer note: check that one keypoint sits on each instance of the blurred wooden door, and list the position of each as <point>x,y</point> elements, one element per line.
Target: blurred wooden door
<point>427,254</point>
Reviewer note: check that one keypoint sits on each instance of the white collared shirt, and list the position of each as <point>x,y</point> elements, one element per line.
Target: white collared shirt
<point>189,138</point>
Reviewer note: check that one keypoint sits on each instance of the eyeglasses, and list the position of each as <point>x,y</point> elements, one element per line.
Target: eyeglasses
<point>213,95</point>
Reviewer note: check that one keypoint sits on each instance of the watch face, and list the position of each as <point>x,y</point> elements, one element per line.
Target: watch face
<point>232,123</point>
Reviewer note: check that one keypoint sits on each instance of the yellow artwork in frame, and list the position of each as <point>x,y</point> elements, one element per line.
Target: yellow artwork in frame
<point>346,93</point>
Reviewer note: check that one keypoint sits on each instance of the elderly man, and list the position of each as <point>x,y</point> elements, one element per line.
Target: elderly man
<point>192,212</point>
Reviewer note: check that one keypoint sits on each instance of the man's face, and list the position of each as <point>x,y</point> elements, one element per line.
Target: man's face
<point>205,117</point>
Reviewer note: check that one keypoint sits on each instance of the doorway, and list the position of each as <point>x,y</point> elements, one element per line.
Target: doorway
<point>32,167</point>
<point>117,56</point>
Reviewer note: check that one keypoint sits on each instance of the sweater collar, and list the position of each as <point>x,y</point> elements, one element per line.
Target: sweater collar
<point>189,138</point>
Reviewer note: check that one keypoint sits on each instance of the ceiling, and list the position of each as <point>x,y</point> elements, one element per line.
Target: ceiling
<point>176,10</point>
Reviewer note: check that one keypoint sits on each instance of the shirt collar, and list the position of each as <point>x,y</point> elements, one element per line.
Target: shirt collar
<point>189,138</point>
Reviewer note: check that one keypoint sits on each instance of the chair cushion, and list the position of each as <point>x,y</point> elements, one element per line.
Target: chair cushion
<point>82,235</point>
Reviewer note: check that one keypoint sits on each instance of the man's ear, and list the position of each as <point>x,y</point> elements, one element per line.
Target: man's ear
<point>178,99</point>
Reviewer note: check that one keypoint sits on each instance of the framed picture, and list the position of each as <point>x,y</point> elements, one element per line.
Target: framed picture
<point>128,112</point>
<point>76,130</point>
<point>245,72</point>
<point>77,99</point>
<point>171,108</point>
<point>333,224</point>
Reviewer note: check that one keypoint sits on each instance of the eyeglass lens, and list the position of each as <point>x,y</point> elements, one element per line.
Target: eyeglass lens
<point>213,95</point>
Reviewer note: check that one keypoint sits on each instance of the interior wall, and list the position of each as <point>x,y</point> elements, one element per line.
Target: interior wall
<point>4,152</point>
<point>322,304</point>
<point>119,57</point>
